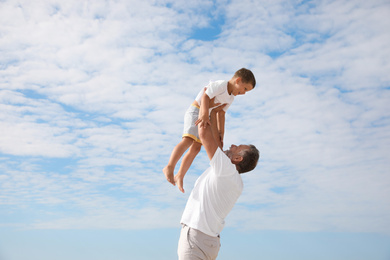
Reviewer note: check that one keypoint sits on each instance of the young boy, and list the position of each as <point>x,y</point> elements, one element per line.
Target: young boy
<point>216,93</point>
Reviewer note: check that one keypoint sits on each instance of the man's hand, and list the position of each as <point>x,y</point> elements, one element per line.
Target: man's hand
<point>217,109</point>
<point>212,104</point>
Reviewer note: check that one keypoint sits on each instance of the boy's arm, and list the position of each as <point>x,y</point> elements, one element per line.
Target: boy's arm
<point>204,120</point>
<point>209,135</point>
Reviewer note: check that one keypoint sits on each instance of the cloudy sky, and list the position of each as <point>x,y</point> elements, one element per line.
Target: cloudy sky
<point>92,99</point>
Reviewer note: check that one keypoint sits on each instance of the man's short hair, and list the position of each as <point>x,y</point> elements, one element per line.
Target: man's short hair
<point>246,76</point>
<point>250,159</point>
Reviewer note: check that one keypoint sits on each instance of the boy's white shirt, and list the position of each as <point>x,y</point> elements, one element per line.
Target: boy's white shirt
<point>217,89</point>
<point>213,196</point>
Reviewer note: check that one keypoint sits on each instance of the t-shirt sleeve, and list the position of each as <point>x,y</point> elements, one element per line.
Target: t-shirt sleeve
<point>215,89</point>
<point>221,164</point>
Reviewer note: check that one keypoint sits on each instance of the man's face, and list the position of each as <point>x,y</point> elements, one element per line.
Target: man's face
<point>234,152</point>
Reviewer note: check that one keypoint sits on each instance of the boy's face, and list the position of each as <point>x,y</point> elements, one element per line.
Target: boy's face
<point>240,88</point>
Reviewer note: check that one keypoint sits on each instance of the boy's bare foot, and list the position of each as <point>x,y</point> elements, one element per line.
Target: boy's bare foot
<point>168,172</point>
<point>179,182</point>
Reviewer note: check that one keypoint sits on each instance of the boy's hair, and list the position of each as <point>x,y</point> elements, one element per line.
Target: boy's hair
<point>249,161</point>
<point>246,76</point>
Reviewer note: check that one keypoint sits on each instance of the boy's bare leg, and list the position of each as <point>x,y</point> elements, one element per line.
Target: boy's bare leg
<point>186,163</point>
<point>177,152</point>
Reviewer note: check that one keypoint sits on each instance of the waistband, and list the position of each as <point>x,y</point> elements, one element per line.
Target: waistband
<point>195,106</point>
<point>185,226</point>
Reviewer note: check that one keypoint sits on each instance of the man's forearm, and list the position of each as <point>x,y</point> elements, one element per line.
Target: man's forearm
<point>221,123</point>
<point>214,128</point>
<point>209,134</point>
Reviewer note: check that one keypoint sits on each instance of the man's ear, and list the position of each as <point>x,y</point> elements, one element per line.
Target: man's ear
<point>237,159</point>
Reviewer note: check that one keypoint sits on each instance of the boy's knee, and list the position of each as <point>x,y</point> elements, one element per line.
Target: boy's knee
<point>196,147</point>
<point>187,140</point>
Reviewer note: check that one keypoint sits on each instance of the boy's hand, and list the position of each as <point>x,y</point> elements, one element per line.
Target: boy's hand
<point>203,121</point>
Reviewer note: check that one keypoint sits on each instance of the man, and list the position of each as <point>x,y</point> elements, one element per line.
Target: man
<point>214,194</point>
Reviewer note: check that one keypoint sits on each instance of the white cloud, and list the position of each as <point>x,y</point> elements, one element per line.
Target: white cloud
<point>103,86</point>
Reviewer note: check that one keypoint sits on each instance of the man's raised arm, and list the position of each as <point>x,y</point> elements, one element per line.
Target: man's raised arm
<point>209,135</point>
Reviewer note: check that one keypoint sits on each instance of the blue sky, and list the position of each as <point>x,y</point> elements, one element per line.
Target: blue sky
<point>92,99</point>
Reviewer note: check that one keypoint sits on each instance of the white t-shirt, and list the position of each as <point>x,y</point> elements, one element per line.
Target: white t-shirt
<point>219,90</point>
<point>213,196</point>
